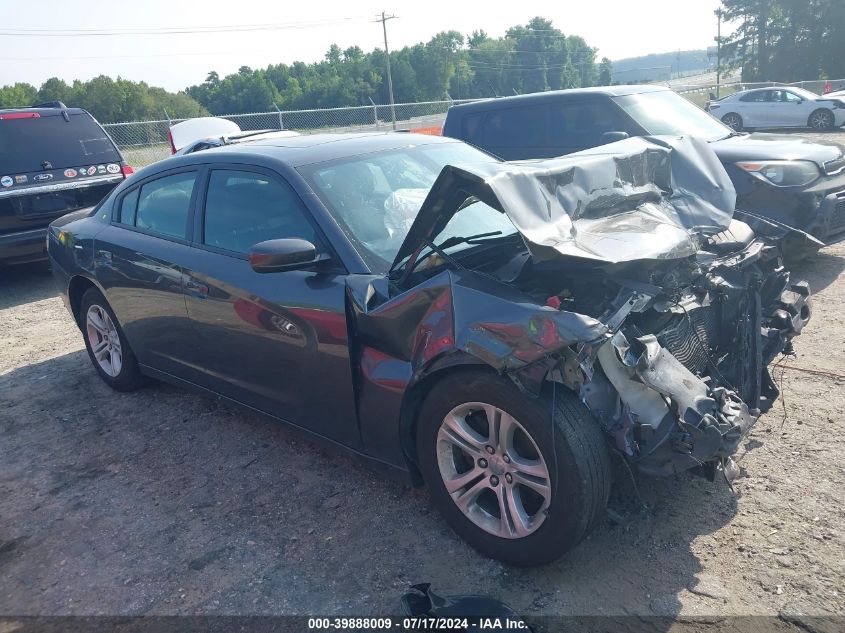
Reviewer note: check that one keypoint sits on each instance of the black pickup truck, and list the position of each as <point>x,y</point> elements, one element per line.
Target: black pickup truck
<point>53,160</point>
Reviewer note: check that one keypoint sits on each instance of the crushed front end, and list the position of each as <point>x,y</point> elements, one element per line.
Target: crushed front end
<point>683,373</point>
<point>637,288</point>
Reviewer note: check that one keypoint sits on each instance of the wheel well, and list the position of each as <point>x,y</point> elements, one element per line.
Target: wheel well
<point>825,110</point>
<point>76,288</point>
<point>414,397</point>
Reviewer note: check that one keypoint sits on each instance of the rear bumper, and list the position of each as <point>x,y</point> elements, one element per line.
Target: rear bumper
<point>23,246</point>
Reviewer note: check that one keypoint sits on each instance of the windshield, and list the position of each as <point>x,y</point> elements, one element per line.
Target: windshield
<point>25,144</point>
<point>665,112</point>
<point>375,197</point>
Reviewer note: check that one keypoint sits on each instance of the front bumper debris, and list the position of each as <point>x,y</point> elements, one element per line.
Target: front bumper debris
<point>675,420</point>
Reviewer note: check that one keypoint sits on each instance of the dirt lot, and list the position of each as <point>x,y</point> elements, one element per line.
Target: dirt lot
<point>166,502</point>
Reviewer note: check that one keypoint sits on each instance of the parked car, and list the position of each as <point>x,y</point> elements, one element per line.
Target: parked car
<point>787,179</point>
<point>231,139</point>
<point>779,107</point>
<point>181,134</point>
<point>53,159</point>
<point>492,329</point>
<point>195,135</point>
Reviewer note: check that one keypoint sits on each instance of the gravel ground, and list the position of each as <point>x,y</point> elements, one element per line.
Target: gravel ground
<point>167,502</point>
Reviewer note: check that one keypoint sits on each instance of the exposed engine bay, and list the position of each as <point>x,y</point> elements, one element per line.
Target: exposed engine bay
<point>629,282</point>
<point>682,374</point>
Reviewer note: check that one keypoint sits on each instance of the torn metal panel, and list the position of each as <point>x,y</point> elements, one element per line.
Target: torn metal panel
<point>635,199</point>
<point>464,310</point>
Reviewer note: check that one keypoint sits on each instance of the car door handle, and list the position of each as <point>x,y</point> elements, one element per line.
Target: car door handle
<point>196,289</point>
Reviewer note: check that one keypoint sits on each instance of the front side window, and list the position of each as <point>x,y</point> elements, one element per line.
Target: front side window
<point>582,123</point>
<point>244,208</point>
<point>164,204</point>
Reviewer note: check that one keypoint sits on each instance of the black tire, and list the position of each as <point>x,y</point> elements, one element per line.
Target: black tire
<point>573,447</point>
<point>128,378</point>
<point>733,121</point>
<point>821,119</point>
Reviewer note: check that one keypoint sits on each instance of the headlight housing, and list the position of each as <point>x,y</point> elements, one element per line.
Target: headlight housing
<point>784,173</point>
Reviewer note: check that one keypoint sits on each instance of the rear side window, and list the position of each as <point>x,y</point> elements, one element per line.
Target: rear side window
<point>244,208</point>
<point>27,144</point>
<point>755,97</point>
<point>516,127</point>
<point>472,129</point>
<point>160,206</point>
<point>128,205</point>
<point>582,123</point>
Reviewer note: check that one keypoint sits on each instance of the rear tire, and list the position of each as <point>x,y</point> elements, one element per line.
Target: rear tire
<point>495,503</point>
<point>107,346</point>
<point>821,119</point>
<point>733,121</point>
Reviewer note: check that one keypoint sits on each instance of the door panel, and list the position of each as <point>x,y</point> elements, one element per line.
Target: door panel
<point>142,278</point>
<point>139,262</point>
<point>276,342</point>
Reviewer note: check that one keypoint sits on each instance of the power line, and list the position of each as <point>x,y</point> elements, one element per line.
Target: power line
<point>173,30</point>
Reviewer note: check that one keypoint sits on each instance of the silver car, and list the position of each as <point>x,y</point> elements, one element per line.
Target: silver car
<point>779,107</point>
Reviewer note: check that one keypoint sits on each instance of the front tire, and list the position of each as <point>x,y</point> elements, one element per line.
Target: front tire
<point>522,480</point>
<point>107,346</point>
<point>821,120</point>
<point>733,121</point>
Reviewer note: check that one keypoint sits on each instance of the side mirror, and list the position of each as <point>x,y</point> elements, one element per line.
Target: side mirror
<point>612,137</point>
<point>272,256</point>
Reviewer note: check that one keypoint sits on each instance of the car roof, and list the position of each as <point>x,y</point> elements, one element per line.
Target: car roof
<point>538,97</point>
<point>314,148</point>
<point>43,112</point>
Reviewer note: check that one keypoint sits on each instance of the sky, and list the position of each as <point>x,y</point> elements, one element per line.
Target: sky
<point>109,37</point>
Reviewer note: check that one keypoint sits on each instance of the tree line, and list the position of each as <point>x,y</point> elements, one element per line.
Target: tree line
<point>528,58</point>
<point>786,40</point>
<point>109,100</point>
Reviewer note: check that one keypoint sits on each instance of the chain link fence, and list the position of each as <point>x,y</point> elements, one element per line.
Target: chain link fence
<point>698,93</point>
<point>145,142</point>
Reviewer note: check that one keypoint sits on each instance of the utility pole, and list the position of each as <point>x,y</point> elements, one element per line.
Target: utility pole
<point>383,19</point>
<point>718,49</point>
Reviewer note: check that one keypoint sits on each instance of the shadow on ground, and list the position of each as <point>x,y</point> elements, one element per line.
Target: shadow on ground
<point>25,284</point>
<point>166,502</point>
<point>820,270</point>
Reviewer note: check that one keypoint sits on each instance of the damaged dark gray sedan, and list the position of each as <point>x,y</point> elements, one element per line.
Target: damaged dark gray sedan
<point>492,329</point>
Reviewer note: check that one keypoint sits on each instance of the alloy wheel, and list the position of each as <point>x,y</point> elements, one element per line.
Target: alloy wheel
<point>104,340</point>
<point>733,121</point>
<point>821,120</point>
<point>493,470</point>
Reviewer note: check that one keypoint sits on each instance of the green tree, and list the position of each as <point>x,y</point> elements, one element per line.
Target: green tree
<point>786,40</point>
<point>605,77</point>
<point>18,95</point>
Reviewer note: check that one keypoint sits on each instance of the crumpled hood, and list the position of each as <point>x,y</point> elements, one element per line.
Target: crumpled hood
<point>641,198</point>
<point>760,146</point>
